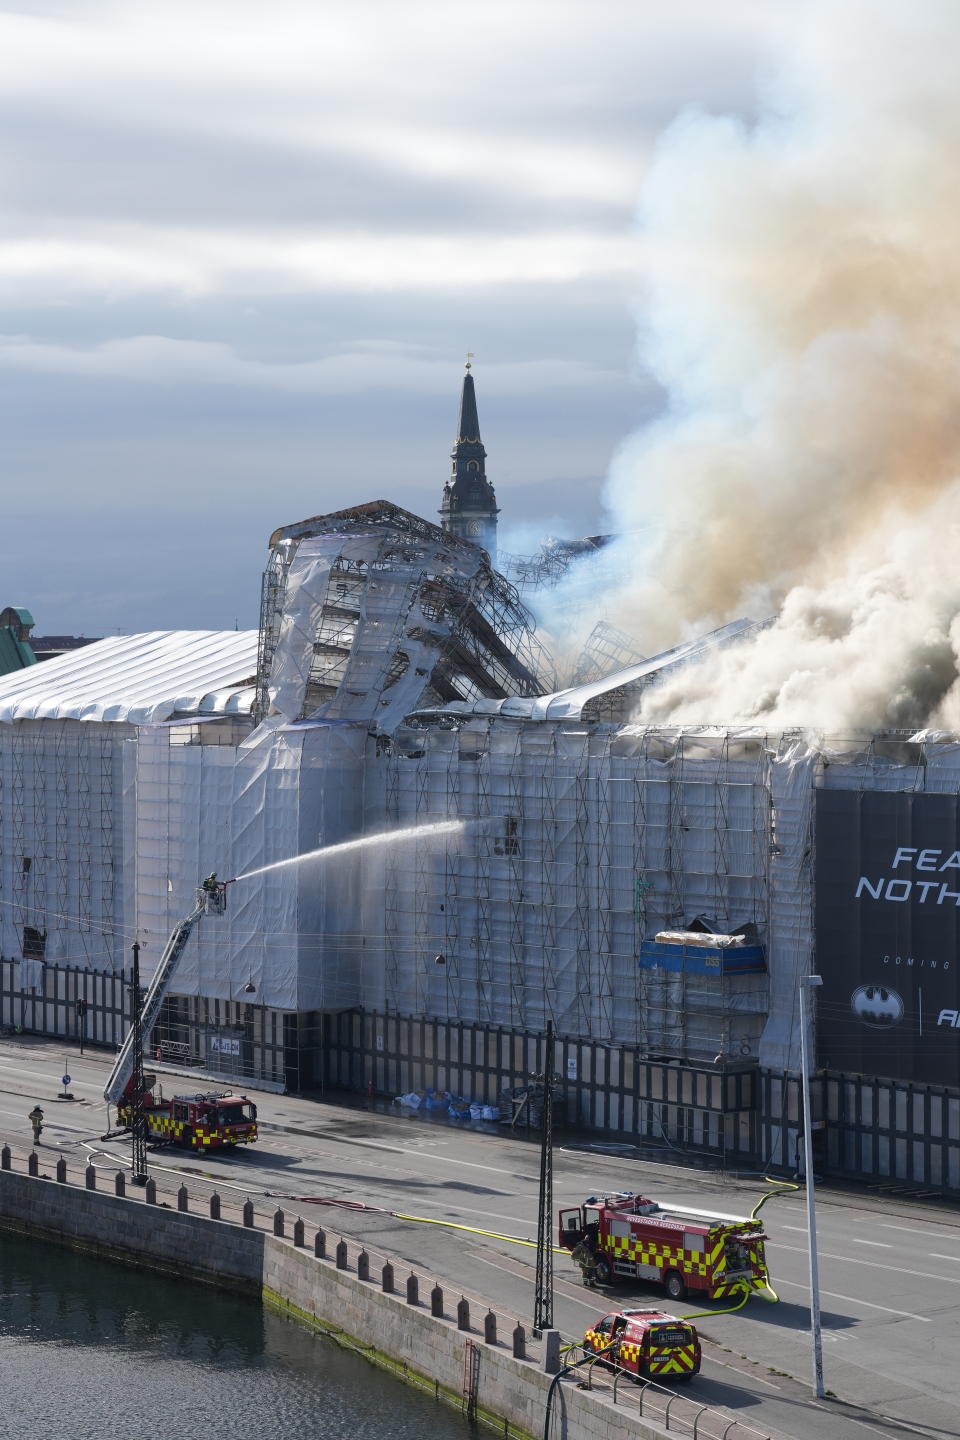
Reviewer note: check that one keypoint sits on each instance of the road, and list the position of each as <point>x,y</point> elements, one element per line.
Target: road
<point>890,1271</point>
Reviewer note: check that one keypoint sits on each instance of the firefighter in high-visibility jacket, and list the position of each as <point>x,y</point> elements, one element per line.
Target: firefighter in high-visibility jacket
<point>584,1254</point>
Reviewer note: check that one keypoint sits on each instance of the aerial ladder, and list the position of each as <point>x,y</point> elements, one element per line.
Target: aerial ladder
<point>211,899</point>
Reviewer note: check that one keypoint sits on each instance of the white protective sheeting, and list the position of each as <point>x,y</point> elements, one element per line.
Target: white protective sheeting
<point>210,807</point>
<point>570,704</point>
<point>578,844</point>
<point>138,679</point>
<point>66,828</point>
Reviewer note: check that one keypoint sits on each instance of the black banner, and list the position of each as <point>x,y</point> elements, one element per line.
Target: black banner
<point>888,934</point>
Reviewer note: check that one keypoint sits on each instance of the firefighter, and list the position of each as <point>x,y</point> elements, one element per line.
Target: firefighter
<point>584,1254</point>
<point>36,1120</point>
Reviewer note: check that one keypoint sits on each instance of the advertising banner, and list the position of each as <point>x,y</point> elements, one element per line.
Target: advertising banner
<point>887,895</point>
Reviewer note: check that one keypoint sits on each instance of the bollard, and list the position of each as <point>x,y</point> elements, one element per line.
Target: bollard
<point>490,1328</point>
<point>150,1192</point>
<point>62,1171</point>
<point>413,1290</point>
<point>320,1245</point>
<point>341,1253</point>
<point>386,1279</point>
<point>214,1206</point>
<point>463,1313</point>
<point>278,1222</point>
<point>363,1266</point>
<point>436,1301</point>
<point>519,1343</point>
<point>298,1230</point>
<point>5,1158</point>
<point>183,1199</point>
<point>119,1184</point>
<point>33,1163</point>
<point>551,1351</point>
<point>90,1177</point>
<point>248,1214</point>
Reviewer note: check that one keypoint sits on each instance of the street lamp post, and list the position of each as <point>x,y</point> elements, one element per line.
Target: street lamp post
<point>543,1291</point>
<point>138,1128</point>
<point>808,983</point>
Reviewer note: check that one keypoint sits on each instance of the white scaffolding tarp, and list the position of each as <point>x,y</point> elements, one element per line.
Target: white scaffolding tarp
<point>138,678</point>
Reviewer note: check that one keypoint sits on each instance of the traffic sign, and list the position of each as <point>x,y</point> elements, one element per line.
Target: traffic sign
<point>66,1079</point>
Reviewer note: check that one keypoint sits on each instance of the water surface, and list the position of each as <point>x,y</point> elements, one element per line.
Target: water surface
<point>90,1349</point>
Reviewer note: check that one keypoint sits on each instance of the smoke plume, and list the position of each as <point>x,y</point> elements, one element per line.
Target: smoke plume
<point>803,318</point>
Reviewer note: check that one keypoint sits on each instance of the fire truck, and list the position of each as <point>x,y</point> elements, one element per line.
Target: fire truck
<point>205,1121</point>
<point>209,1121</point>
<point>631,1237</point>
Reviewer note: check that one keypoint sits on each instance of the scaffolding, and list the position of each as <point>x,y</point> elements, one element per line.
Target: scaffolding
<point>605,650</point>
<point>374,611</point>
<point>579,844</point>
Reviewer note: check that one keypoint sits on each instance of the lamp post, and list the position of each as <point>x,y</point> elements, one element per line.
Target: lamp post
<point>808,983</point>
<point>138,1127</point>
<point>543,1289</point>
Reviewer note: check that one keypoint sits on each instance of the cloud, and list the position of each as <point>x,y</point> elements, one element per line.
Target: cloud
<point>376,365</point>
<point>232,233</point>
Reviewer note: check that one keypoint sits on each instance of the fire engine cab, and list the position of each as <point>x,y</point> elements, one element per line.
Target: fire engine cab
<point>684,1250</point>
<point>649,1344</point>
<point>202,1122</point>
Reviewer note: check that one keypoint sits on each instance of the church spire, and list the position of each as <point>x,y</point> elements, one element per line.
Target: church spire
<point>469,505</point>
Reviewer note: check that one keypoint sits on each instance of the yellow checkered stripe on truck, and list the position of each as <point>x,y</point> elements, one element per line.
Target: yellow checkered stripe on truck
<point>669,1361</point>
<point>629,1350</point>
<point>649,1253</point>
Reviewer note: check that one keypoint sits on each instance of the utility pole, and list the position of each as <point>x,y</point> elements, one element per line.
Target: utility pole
<point>807,983</point>
<point>138,1130</point>
<point>543,1295</point>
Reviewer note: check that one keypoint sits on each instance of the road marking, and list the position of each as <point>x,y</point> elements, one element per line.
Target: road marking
<point>927,1234</point>
<point>850,1300</point>
<point>934,1256</point>
<point>875,1265</point>
<point>800,1229</point>
<point>880,1244</point>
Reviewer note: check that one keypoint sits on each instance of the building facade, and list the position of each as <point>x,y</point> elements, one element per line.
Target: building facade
<point>657,893</point>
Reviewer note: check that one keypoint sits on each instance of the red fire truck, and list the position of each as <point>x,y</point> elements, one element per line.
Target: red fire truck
<point>209,1121</point>
<point>631,1237</point>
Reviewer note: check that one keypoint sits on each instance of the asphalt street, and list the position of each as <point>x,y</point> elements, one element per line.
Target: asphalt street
<point>890,1270</point>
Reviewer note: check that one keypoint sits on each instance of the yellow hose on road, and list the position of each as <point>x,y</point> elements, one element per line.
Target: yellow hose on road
<point>729,1310</point>
<point>472,1230</point>
<point>782,1187</point>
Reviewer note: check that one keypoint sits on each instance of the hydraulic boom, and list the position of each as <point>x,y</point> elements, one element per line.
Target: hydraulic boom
<point>211,899</point>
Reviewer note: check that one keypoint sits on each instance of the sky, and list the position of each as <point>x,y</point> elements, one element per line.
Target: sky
<point>245,248</point>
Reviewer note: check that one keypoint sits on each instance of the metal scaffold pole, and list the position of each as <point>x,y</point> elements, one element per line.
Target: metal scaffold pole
<point>138,1129</point>
<point>543,1296</point>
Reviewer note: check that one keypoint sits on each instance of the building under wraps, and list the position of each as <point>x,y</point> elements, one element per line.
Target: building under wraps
<point>656,893</point>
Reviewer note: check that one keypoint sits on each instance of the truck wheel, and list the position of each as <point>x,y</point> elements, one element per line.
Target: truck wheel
<point>602,1274</point>
<point>674,1286</point>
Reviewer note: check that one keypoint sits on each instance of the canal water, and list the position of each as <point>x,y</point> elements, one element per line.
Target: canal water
<point>90,1349</point>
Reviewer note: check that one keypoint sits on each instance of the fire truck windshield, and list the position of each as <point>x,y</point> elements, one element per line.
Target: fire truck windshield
<point>235,1114</point>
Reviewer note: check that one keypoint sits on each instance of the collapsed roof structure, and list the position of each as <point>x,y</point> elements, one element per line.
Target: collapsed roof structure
<point>374,611</point>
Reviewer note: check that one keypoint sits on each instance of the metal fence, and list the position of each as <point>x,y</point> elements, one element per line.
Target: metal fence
<point>891,1133</point>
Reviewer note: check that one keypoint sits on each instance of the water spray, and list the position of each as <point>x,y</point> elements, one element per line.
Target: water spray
<point>385,837</point>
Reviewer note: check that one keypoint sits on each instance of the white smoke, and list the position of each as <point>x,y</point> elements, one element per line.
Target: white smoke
<point>803,317</point>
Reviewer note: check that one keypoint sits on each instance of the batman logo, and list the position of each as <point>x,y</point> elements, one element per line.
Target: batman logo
<point>877,1005</point>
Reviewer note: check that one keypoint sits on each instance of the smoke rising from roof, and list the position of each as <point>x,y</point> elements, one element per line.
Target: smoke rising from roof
<point>803,317</point>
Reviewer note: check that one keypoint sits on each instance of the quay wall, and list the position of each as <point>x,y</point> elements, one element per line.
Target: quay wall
<point>431,1352</point>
